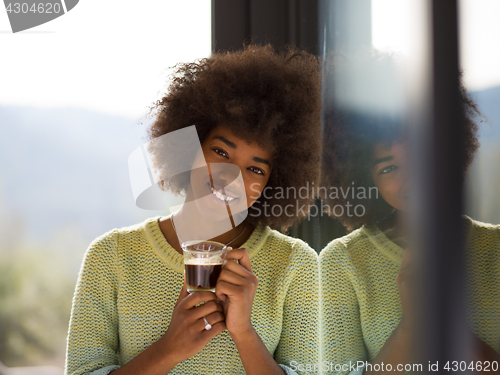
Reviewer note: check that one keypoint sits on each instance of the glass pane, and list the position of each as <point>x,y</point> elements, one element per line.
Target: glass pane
<point>374,55</point>
<point>481,77</point>
<point>382,126</point>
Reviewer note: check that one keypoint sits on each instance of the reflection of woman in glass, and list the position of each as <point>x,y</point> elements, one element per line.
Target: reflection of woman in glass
<point>364,275</point>
<point>258,110</point>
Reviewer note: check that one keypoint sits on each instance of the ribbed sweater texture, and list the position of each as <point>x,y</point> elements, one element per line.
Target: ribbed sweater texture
<point>360,303</point>
<point>130,281</point>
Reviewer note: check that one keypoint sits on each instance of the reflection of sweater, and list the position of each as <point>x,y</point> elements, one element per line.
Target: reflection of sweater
<point>360,299</point>
<point>131,279</point>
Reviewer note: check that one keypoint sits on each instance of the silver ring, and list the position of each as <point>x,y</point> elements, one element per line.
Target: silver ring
<point>208,326</point>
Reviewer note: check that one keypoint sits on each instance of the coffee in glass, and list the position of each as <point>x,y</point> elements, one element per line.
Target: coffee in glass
<point>203,261</point>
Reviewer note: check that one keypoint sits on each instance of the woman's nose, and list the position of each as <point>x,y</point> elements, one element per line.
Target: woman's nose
<point>224,173</point>
<point>405,181</point>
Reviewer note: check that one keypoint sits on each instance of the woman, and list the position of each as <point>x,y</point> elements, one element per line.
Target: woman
<point>366,297</point>
<point>259,111</point>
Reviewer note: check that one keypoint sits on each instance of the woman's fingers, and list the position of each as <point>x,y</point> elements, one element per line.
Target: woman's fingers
<point>215,317</point>
<point>243,269</point>
<point>404,283</point>
<point>405,268</point>
<point>211,319</point>
<point>184,293</point>
<point>196,298</point>
<point>242,285</point>
<point>227,289</point>
<point>206,309</point>
<point>230,276</point>
<point>236,279</point>
<point>216,329</point>
<point>186,334</point>
<point>237,269</point>
<point>241,255</point>
<point>236,274</point>
<point>407,261</point>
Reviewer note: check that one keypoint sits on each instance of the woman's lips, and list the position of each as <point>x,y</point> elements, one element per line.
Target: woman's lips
<point>221,195</point>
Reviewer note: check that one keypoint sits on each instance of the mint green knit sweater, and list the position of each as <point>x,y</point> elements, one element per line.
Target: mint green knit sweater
<point>360,301</point>
<point>131,279</point>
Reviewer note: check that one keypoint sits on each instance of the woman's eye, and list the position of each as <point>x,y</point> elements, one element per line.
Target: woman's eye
<point>388,169</point>
<point>256,170</point>
<point>221,152</point>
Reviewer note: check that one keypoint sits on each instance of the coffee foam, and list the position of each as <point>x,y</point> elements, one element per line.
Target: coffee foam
<point>203,262</point>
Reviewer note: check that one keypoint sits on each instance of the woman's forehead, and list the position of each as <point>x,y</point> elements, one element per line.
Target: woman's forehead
<point>395,148</point>
<point>231,139</point>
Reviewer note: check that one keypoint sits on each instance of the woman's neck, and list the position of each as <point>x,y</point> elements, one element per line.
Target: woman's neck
<point>182,227</point>
<point>396,228</point>
<point>236,236</point>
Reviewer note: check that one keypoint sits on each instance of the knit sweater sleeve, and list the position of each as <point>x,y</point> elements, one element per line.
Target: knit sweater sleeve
<point>298,349</point>
<point>342,337</point>
<point>93,331</point>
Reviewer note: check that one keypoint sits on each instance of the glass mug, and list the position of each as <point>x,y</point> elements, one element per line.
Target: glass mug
<point>203,261</point>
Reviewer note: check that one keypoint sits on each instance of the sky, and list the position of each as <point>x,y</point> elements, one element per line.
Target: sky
<point>479,34</point>
<point>110,56</point>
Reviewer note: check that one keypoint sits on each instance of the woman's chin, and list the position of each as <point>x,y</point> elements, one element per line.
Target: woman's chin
<point>213,211</point>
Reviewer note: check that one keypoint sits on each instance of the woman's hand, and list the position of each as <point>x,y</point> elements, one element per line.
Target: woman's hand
<point>236,289</point>
<point>397,348</point>
<point>186,334</point>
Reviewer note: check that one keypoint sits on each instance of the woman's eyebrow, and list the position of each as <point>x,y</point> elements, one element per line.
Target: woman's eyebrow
<point>260,160</point>
<point>226,141</point>
<point>381,160</point>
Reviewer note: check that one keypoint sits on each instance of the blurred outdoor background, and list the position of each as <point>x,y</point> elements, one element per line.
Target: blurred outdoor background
<point>73,94</point>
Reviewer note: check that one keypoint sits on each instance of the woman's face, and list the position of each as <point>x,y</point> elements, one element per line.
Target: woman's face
<point>389,174</point>
<point>228,156</point>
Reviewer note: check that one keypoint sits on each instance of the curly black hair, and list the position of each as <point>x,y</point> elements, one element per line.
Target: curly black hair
<point>349,139</point>
<point>265,96</point>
